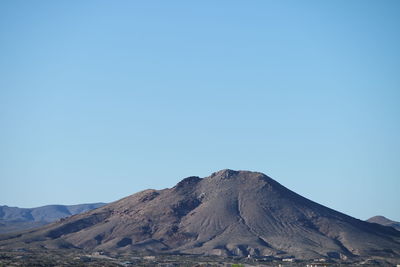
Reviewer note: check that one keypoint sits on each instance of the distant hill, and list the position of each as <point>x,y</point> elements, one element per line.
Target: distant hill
<point>229,213</point>
<point>384,221</point>
<point>16,219</point>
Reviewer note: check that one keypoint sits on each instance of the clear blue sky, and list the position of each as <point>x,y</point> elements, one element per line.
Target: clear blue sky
<point>101,99</point>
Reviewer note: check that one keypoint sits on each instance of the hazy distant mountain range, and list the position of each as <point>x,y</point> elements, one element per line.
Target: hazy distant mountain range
<point>230,213</point>
<point>384,221</point>
<point>15,219</point>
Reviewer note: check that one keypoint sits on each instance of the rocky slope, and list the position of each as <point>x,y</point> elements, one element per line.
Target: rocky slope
<point>228,213</point>
<point>384,221</point>
<point>16,219</point>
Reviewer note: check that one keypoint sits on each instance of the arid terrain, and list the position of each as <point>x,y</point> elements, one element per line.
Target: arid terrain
<point>81,258</point>
<point>14,219</point>
<point>227,215</point>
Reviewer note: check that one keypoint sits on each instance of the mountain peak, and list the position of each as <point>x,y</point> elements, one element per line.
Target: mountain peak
<point>225,173</point>
<point>382,220</point>
<point>228,173</point>
<point>188,181</point>
<point>229,213</point>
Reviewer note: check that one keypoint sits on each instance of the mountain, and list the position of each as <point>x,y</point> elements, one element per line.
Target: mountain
<point>237,213</point>
<point>384,221</point>
<point>16,219</point>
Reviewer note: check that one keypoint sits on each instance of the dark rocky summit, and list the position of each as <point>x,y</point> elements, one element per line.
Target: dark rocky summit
<point>228,213</point>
